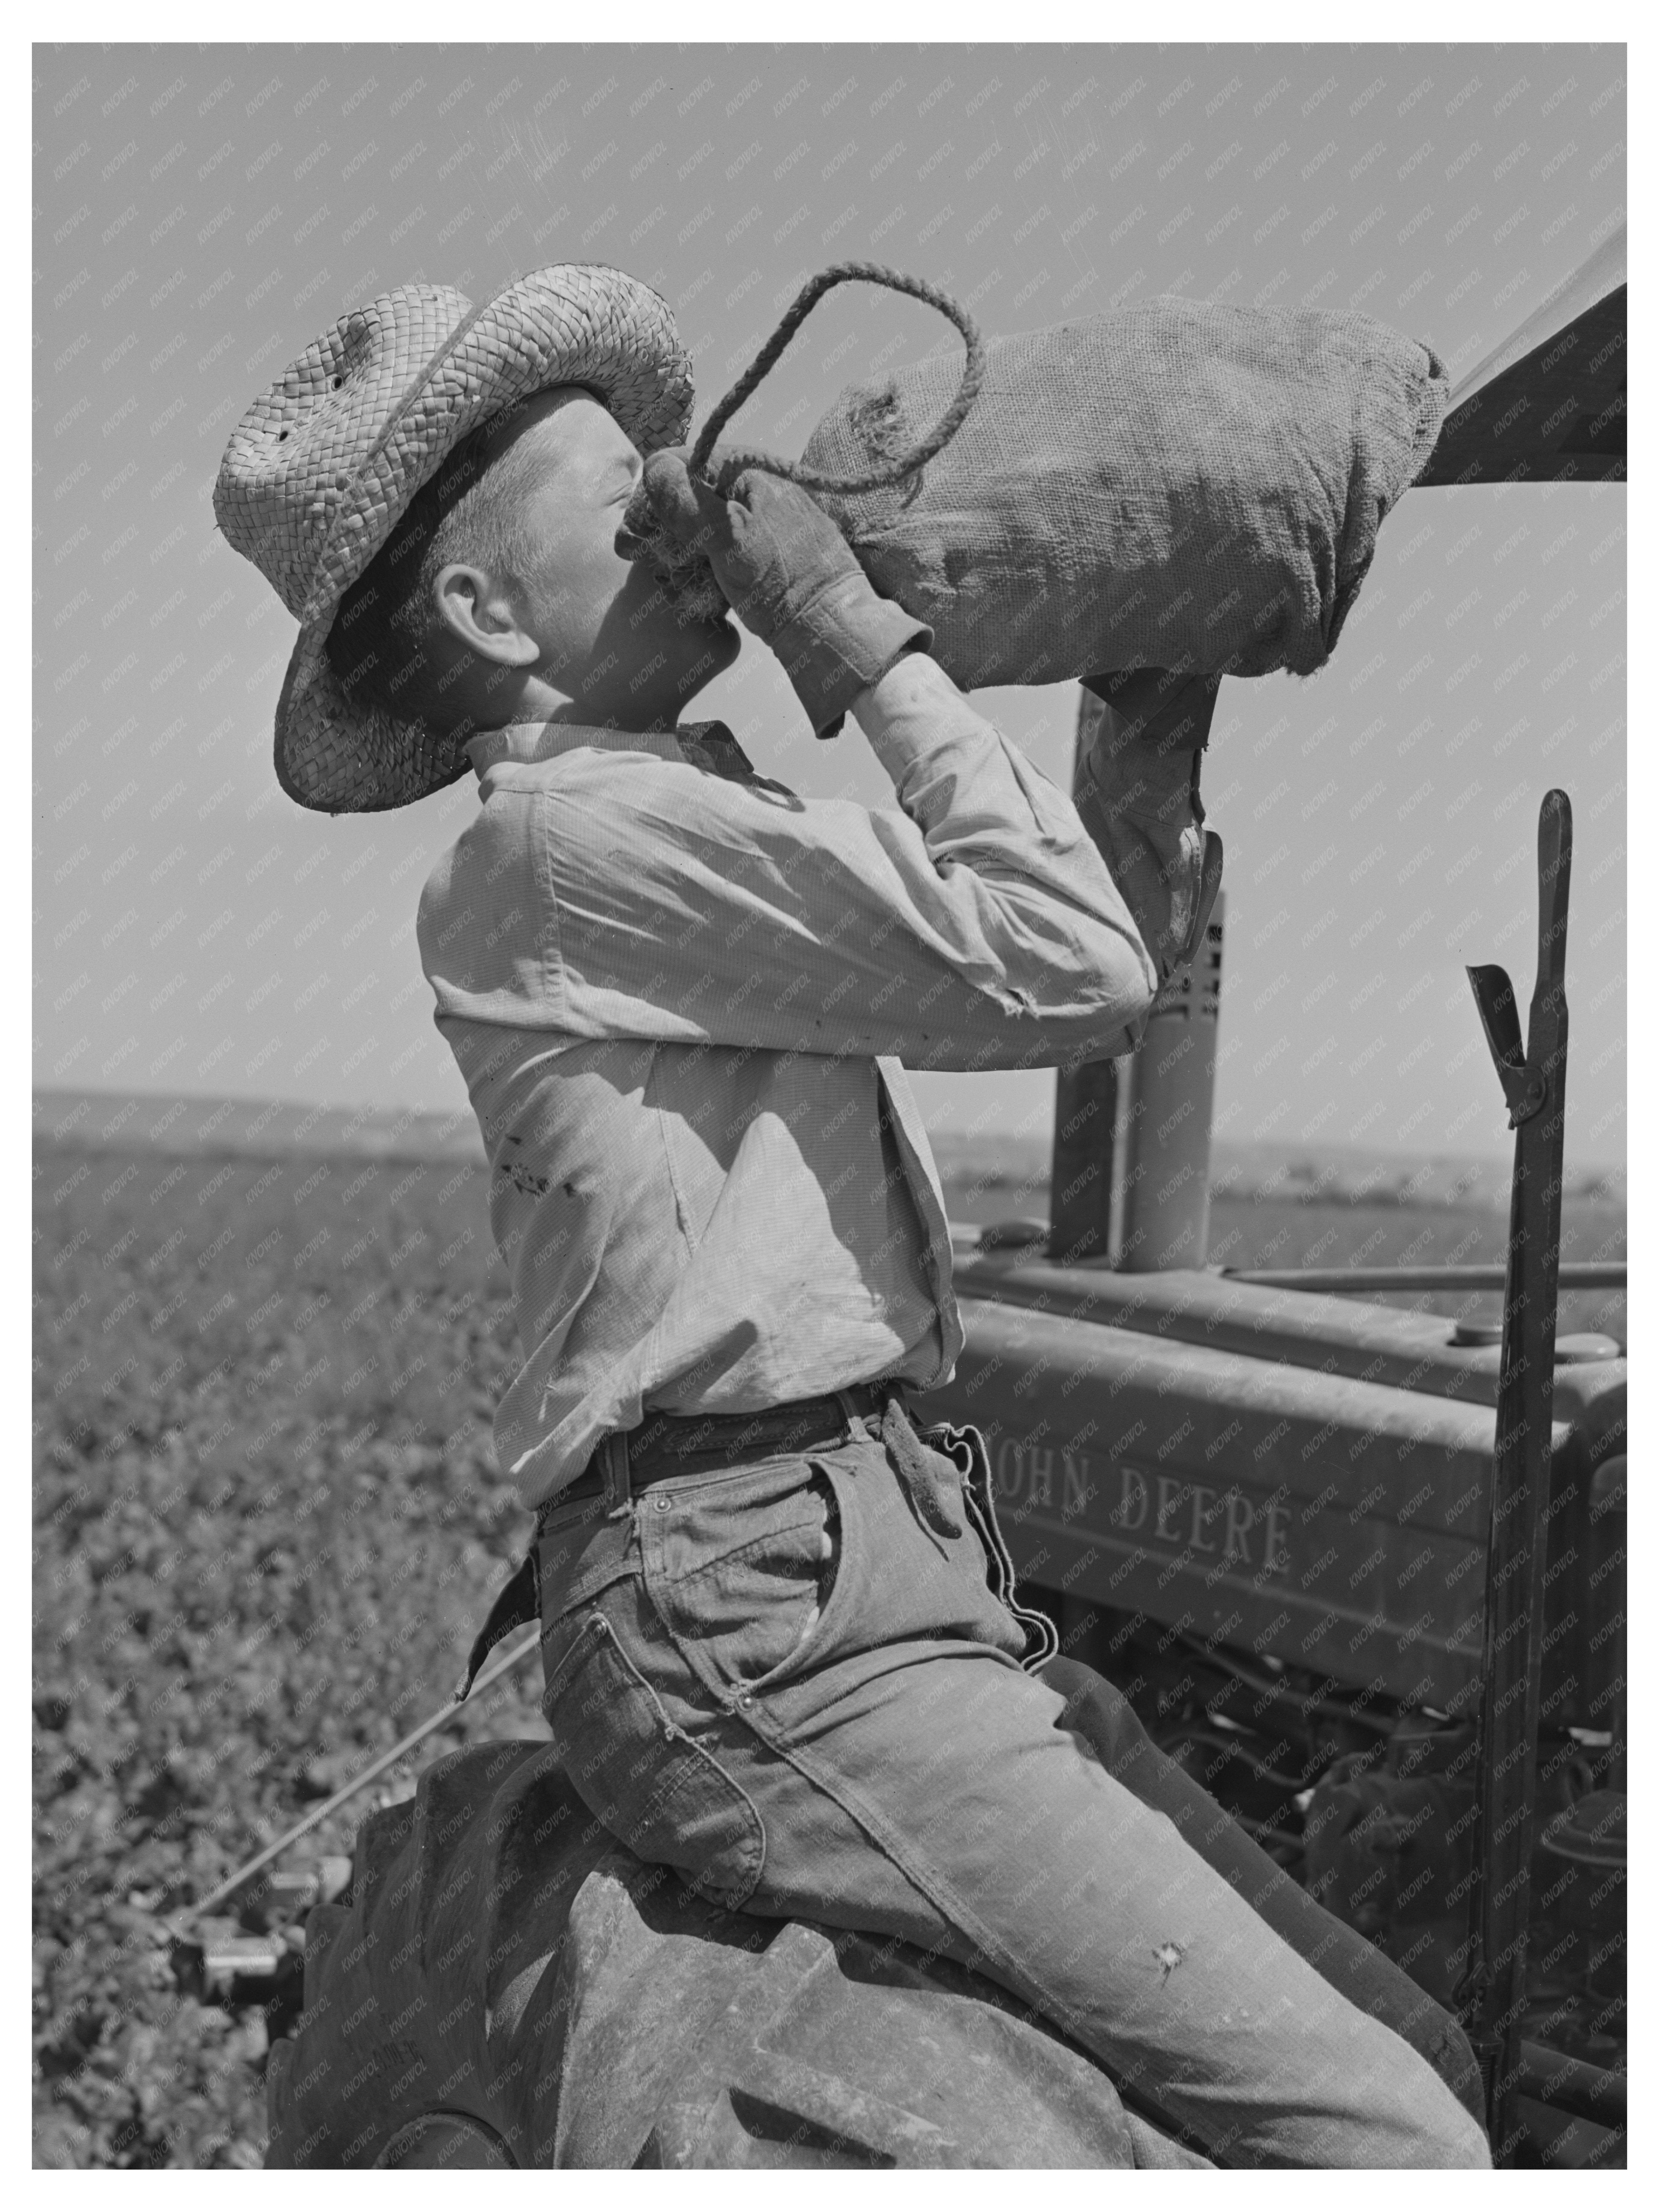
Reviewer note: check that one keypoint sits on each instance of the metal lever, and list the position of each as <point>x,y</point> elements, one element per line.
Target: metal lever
<point>1492,1994</point>
<point>1494,997</point>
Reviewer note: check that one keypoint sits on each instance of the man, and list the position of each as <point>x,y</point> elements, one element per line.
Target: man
<point>782,1646</point>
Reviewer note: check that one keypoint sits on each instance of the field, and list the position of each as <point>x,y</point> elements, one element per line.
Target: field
<point>268,1521</point>
<point>1286,1207</point>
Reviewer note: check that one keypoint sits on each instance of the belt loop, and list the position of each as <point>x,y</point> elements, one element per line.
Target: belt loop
<point>618,1496</point>
<point>850,1414</point>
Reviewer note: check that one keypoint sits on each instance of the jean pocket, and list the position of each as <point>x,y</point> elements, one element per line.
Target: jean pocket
<point>737,1576</point>
<point>656,1787</point>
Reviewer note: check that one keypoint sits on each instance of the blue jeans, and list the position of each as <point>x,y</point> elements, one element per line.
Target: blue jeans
<point>776,1680</point>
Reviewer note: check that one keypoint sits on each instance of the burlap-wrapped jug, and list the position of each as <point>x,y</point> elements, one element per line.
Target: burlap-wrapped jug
<point>1172,485</point>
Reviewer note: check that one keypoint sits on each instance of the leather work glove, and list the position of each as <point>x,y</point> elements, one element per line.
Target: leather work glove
<point>792,578</point>
<point>1139,802</point>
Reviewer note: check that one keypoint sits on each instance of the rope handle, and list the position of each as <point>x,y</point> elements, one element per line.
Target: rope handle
<point>843,272</point>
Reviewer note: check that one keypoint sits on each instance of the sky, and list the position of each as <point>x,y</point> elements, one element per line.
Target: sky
<point>202,213</point>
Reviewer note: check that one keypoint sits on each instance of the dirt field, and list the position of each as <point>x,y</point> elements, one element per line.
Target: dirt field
<point>267,1523</point>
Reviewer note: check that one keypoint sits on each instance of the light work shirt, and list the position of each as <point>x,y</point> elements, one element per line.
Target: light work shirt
<point>682,998</point>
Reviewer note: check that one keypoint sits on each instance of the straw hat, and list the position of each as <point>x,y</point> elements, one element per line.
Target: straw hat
<point>322,467</point>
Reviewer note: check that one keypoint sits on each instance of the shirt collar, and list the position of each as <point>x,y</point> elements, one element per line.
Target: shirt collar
<point>539,741</point>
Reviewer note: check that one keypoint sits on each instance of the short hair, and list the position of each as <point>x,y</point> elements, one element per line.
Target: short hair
<point>380,645</point>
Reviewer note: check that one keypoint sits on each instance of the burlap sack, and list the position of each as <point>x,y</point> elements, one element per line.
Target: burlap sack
<point>1172,485</point>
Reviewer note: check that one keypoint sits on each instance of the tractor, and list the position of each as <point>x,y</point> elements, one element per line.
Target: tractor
<point>1359,1568</point>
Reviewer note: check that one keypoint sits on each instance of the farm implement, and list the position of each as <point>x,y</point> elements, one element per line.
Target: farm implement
<point>1360,1571</point>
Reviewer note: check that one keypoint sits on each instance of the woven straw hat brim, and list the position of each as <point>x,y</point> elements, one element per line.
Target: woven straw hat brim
<point>325,465</point>
<point>340,758</point>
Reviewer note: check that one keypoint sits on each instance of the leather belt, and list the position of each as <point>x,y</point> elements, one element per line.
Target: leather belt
<point>666,1444</point>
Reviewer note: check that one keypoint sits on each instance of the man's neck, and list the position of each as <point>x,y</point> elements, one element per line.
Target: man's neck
<point>539,741</point>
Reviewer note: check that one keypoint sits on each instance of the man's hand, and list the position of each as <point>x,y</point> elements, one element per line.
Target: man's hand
<point>1141,805</point>
<point>792,578</point>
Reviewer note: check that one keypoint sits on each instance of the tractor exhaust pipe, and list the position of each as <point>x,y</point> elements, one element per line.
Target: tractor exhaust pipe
<point>1130,1185</point>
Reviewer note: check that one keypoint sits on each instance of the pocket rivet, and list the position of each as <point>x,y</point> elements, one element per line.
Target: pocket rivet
<point>659,1504</point>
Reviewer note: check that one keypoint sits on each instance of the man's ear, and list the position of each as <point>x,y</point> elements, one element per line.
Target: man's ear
<point>480,616</point>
